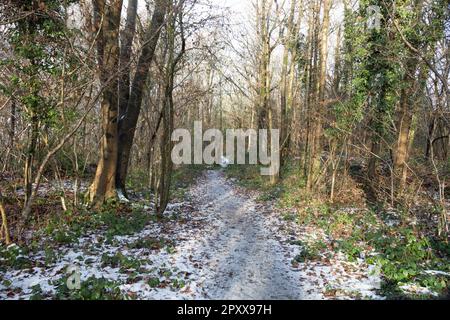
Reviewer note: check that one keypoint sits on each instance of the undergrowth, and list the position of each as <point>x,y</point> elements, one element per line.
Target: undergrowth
<point>404,253</point>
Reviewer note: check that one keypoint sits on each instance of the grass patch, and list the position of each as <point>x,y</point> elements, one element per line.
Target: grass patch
<point>310,252</point>
<point>153,282</point>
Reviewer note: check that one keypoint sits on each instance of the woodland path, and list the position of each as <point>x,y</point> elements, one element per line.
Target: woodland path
<point>220,242</point>
<point>244,254</point>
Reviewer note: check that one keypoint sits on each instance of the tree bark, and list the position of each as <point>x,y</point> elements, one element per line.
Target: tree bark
<point>285,100</point>
<point>4,231</point>
<point>319,105</point>
<point>168,108</point>
<point>128,122</point>
<point>31,152</point>
<point>126,43</point>
<point>107,22</point>
<point>12,131</point>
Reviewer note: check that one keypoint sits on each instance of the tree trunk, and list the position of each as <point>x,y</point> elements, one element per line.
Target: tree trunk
<point>127,37</point>
<point>130,117</point>
<point>107,21</point>
<point>12,130</point>
<point>285,85</point>
<point>409,95</point>
<point>168,110</point>
<point>319,98</point>
<point>29,161</point>
<point>4,231</point>
<point>308,79</point>
<point>431,126</point>
<point>401,150</point>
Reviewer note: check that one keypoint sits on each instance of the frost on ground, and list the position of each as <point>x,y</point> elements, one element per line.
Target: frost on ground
<point>329,275</point>
<point>222,244</point>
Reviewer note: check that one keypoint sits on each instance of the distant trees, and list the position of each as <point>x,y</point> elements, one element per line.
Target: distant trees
<point>362,98</point>
<point>351,101</point>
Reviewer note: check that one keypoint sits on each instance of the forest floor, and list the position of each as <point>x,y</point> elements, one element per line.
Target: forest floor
<point>220,242</point>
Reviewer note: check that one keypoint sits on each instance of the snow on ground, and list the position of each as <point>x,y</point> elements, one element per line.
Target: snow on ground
<point>332,276</point>
<point>223,245</point>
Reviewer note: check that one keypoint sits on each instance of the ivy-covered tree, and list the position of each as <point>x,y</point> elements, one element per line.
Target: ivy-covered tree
<point>36,66</point>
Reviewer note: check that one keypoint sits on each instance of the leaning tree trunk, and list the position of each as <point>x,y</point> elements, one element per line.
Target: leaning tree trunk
<point>128,122</point>
<point>166,147</point>
<point>126,43</point>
